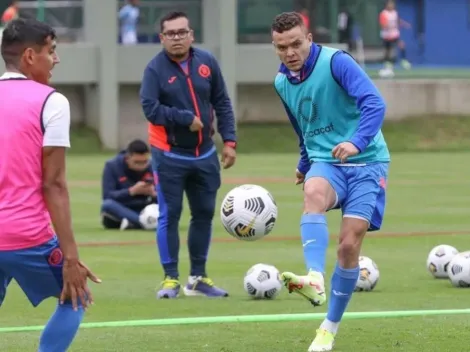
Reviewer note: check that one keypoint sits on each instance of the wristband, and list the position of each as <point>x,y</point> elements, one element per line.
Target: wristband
<point>231,144</point>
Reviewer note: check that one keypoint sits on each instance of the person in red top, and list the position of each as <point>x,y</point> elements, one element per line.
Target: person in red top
<point>390,23</point>
<point>305,18</point>
<point>10,13</point>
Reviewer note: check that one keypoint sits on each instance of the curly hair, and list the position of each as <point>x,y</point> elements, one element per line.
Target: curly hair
<point>286,21</point>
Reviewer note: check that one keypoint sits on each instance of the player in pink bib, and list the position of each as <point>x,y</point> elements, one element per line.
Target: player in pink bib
<point>34,136</point>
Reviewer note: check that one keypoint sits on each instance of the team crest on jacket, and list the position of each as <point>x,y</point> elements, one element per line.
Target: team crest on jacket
<point>204,71</point>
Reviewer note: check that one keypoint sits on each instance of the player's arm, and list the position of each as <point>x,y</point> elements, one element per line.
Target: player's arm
<point>404,23</point>
<point>304,164</point>
<point>155,112</point>
<point>56,122</point>
<point>370,103</point>
<point>109,184</point>
<point>220,100</point>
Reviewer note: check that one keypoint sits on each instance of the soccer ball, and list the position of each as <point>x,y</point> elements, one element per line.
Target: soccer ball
<point>459,270</point>
<point>149,216</point>
<point>368,275</point>
<point>262,281</point>
<point>439,259</point>
<point>248,212</point>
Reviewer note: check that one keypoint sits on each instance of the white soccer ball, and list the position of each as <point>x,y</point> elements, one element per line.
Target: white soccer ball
<point>262,281</point>
<point>459,270</point>
<point>248,212</point>
<point>438,260</point>
<point>368,275</point>
<point>149,217</point>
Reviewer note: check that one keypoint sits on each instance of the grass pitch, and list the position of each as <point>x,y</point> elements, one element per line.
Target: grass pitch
<point>428,204</point>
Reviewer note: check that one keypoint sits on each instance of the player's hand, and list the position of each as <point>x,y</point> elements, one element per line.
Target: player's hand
<point>152,192</point>
<point>299,177</point>
<point>344,150</point>
<point>75,276</point>
<point>197,125</point>
<point>229,155</point>
<point>140,188</point>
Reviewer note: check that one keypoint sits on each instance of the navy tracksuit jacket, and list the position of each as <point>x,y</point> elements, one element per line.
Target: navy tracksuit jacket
<point>172,94</point>
<point>117,202</point>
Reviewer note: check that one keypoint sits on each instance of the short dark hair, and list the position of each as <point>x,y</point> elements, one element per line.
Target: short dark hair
<point>137,146</point>
<point>170,16</point>
<point>20,34</point>
<point>286,21</point>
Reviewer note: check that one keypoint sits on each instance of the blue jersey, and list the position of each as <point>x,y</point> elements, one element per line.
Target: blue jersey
<point>326,108</point>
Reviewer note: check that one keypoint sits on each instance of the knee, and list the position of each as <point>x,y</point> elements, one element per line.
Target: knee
<point>108,205</point>
<point>318,197</point>
<point>174,211</point>
<point>204,211</point>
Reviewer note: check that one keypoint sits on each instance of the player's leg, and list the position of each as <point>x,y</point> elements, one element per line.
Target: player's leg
<point>388,44</point>
<point>114,213</point>
<point>38,271</point>
<point>404,61</point>
<point>363,210</point>
<point>324,189</point>
<point>5,280</point>
<point>170,176</point>
<point>201,190</point>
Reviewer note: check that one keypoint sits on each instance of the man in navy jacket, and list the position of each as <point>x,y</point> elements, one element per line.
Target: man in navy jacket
<point>127,187</point>
<point>181,88</point>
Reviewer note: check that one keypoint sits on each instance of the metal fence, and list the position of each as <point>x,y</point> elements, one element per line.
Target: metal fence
<point>254,17</point>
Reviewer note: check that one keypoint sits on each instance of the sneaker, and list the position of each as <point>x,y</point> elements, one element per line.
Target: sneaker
<point>311,286</point>
<point>406,64</point>
<point>203,286</point>
<point>324,341</point>
<point>124,224</point>
<point>170,288</point>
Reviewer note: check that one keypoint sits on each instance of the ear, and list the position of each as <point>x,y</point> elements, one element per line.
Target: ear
<point>162,37</point>
<point>29,55</point>
<point>310,37</point>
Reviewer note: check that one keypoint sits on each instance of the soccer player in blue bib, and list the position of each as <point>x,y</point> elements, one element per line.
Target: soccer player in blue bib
<point>337,113</point>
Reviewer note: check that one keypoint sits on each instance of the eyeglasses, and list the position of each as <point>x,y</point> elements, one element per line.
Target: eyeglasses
<point>181,34</point>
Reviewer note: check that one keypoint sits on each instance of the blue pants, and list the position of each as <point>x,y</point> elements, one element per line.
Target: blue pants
<point>37,270</point>
<point>360,190</point>
<point>113,212</point>
<point>200,179</point>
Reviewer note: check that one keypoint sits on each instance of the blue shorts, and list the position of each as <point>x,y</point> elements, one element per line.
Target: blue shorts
<point>38,271</point>
<point>360,190</point>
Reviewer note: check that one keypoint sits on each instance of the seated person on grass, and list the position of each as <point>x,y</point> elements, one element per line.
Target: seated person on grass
<point>127,187</point>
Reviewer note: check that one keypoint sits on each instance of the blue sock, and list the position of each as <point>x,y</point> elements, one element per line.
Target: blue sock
<point>61,329</point>
<point>314,234</point>
<point>343,283</point>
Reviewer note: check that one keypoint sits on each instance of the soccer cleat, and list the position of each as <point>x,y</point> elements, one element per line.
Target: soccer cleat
<point>324,341</point>
<point>203,286</point>
<point>170,288</point>
<point>311,286</point>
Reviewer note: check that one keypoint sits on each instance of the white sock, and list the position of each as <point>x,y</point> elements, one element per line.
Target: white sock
<point>329,326</point>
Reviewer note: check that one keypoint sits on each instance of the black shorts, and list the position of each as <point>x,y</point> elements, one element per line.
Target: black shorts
<point>388,44</point>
